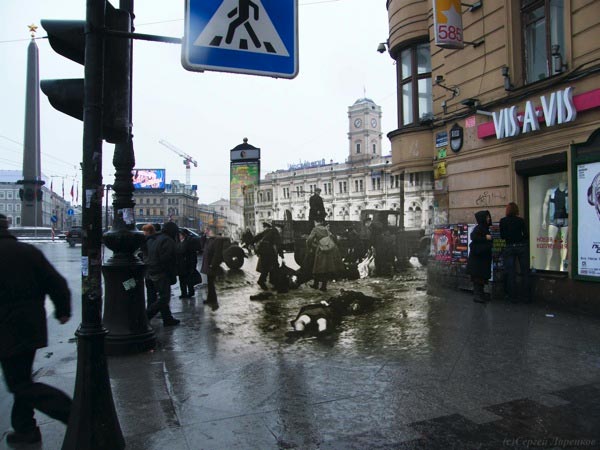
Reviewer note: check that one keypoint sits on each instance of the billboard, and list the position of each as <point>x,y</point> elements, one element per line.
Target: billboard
<point>146,179</point>
<point>242,176</point>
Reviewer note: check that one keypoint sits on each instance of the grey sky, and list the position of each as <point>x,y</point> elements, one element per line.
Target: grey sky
<point>207,114</point>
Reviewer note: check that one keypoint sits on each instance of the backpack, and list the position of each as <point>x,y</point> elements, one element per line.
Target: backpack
<point>326,244</point>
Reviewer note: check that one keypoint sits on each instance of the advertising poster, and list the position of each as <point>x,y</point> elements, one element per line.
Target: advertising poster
<point>588,222</point>
<point>442,244</point>
<point>148,179</point>
<point>242,176</point>
<point>460,245</point>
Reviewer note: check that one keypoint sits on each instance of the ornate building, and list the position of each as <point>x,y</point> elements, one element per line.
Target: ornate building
<point>366,180</point>
<point>510,113</point>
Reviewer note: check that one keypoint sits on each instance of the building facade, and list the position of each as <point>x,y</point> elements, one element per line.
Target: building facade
<point>366,180</point>
<point>512,116</point>
<point>53,205</point>
<point>177,203</point>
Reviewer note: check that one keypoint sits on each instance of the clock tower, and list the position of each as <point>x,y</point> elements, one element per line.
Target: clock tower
<point>364,136</point>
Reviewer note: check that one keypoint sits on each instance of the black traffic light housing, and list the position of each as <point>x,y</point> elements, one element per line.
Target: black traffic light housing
<point>67,38</point>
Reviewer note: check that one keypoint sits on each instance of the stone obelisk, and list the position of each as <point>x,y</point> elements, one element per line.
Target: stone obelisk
<point>31,192</point>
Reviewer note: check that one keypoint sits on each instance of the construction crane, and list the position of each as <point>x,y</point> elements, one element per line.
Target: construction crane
<point>187,159</point>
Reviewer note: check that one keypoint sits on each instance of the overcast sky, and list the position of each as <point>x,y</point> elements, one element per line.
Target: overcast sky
<point>207,114</point>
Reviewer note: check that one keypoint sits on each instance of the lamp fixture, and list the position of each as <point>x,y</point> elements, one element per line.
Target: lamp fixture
<point>557,62</point>
<point>439,79</point>
<point>507,84</point>
<point>470,102</point>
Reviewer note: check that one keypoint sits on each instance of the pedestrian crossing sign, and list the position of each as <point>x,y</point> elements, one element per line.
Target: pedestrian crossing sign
<point>256,37</point>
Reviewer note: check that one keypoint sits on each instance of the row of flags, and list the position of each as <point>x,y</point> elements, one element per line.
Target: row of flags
<point>74,192</point>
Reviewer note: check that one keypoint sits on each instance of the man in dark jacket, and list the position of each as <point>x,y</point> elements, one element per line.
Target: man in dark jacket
<point>187,260</point>
<point>162,266</point>
<point>211,261</point>
<point>25,280</point>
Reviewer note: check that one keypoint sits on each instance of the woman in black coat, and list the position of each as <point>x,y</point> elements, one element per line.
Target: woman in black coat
<point>479,265</point>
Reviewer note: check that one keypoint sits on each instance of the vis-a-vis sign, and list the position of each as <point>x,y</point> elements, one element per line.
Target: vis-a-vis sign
<point>447,22</point>
<point>555,108</point>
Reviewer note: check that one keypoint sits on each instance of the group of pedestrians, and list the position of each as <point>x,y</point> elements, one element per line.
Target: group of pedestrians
<point>513,231</point>
<point>171,254</point>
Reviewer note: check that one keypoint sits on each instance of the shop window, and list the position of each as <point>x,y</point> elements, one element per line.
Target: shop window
<point>549,221</point>
<point>543,38</point>
<point>414,80</point>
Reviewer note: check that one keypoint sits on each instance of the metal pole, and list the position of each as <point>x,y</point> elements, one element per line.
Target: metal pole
<point>93,423</point>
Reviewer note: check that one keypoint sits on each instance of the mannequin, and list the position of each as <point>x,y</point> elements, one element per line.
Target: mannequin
<point>555,218</point>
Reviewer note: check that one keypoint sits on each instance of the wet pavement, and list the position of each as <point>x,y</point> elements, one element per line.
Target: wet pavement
<point>418,372</point>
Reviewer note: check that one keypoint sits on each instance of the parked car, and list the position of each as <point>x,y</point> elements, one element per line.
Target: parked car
<point>74,236</point>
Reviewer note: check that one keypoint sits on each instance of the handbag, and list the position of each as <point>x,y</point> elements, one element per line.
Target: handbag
<point>196,277</point>
<point>326,244</point>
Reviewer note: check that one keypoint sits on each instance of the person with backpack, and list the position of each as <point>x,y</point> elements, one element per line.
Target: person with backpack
<point>328,262</point>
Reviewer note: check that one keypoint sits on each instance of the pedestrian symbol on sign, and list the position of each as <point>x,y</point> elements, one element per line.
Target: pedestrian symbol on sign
<point>232,28</point>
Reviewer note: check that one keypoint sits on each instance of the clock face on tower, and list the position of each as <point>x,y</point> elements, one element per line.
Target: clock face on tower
<point>373,123</point>
<point>358,123</point>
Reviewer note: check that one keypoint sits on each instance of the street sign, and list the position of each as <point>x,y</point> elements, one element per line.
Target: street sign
<point>70,212</point>
<point>256,37</point>
<point>53,219</point>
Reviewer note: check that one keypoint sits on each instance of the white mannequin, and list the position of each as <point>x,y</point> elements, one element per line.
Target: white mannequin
<point>556,223</point>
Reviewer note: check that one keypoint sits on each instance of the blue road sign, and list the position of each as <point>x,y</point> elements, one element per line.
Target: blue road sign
<point>53,219</point>
<point>256,37</point>
<point>70,212</point>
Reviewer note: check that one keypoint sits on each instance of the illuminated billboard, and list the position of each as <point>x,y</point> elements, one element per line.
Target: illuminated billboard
<point>146,179</point>
<point>242,176</point>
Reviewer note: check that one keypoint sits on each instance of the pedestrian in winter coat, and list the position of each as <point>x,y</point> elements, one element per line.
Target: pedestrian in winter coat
<point>187,260</point>
<point>211,261</point>
<point>247,238</point>
<point>328,262</point>
<point>161,269</point>
<point>268,247</point>
<point>479,264</point>
<point>25,280</point>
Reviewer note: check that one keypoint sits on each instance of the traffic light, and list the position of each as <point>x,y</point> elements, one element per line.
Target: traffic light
<point>67,38</point>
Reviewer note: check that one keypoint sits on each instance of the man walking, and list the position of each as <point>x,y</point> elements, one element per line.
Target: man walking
<point>162,267</point>
<point>25,280</point>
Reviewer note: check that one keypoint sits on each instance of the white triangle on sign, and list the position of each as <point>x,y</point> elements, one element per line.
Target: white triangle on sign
<point>247,27</point>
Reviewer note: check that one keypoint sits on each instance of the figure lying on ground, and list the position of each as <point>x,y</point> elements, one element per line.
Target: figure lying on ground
<point>323,317</point>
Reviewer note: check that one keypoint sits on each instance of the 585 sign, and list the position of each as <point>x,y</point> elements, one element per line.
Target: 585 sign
<point>447,20</point>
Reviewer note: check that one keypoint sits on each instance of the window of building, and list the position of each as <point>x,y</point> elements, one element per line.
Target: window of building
<point>358,185</point>
<point>414,79</point>
<point>3,207</point>
<point>154,201</point>
<point>269,197</point>
<point>9,207</point>
<point>2,195</point>
<point>374,148</point>
<point>357,148</point>
<point>327,188</point>
<point>343,186</point>
<point>18,207</point>
<point>18,220</point>
<point>260,196</point>
<point>376,183</point>
<point>543,35</point>
<point>9,195</point>
<point>141,211</point>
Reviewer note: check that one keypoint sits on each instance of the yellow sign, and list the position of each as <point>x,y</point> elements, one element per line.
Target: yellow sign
<point>447,22</point>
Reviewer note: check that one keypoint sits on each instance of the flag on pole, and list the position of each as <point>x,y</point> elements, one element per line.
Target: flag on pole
<point>51,184</point>
<point>72,193</point>
<point>77,193</point>
<point>63,188</point>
